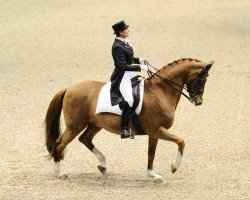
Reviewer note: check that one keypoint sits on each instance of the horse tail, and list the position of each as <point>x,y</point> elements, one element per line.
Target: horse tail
<point>52,122</point>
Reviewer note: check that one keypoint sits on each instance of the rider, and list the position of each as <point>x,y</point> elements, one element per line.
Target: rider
<point>121,88</point>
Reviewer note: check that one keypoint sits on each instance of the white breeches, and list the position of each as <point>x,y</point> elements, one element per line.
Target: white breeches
<point>126,87</point>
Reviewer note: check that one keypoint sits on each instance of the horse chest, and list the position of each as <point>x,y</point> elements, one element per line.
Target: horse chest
<point>167,119</point>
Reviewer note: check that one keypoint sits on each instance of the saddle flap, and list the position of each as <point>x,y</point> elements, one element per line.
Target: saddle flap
<point>104,101</point>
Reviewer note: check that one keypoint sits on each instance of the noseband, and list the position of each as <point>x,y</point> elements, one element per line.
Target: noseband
<point>199,83</point>
<point>193,92</point>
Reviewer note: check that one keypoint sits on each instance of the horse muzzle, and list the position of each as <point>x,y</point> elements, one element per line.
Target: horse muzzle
<point>198,101</point>
<point>198,104</point>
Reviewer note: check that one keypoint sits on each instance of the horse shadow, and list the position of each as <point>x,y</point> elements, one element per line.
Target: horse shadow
<point>112,180</point>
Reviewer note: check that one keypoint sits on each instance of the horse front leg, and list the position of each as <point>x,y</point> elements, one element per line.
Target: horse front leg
<point>165,134</point>
<point>152,143</point>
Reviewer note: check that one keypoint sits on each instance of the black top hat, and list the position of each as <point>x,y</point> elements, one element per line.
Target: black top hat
<point>119,26</point>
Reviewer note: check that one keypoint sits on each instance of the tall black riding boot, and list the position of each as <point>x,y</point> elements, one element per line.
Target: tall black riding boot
<point>126,112</point>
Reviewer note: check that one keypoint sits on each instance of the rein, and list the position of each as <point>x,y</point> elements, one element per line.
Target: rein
<point>173,84</point>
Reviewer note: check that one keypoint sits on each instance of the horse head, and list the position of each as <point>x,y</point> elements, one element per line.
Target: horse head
<point>196,82</point>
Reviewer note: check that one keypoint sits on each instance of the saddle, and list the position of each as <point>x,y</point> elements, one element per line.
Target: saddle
<point>135,81</point>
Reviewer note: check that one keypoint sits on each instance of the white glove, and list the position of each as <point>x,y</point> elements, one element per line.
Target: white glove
<point>143,61</point>
<point>144,67</point>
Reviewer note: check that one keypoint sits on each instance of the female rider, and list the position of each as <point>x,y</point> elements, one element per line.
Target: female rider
<point>121,88</point>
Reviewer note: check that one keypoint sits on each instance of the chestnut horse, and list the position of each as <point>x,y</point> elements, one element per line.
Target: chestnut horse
<point>162,92</point>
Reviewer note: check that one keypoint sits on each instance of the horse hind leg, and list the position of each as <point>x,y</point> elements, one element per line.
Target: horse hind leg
<point>65,138</point>
<point>86,138</point>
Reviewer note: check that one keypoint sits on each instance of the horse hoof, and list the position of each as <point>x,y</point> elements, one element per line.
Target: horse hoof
<point>63,177</point>
<point>173,168</point>
<point>102,169</point>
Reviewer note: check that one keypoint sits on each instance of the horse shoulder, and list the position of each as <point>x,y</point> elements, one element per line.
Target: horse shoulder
<point>162,112</point>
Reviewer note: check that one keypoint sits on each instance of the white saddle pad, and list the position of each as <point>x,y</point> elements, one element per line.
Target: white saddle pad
<point>104,101</point>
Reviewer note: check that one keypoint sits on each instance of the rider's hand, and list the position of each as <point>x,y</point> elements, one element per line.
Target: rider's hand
<point>144,67</point>
<point>143,61</point>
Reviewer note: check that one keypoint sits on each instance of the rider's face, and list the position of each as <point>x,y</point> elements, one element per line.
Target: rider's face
<point>124,33</point>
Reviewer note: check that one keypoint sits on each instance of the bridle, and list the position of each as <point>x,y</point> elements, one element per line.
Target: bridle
<point>199,84</point>
<point>193,92</point>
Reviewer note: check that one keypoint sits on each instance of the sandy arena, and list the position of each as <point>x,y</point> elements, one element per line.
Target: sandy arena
<point>47,45</point>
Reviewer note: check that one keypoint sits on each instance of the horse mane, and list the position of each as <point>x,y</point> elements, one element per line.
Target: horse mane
<point>176,62</point>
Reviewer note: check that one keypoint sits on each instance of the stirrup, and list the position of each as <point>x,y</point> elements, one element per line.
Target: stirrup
<point>125,134</point>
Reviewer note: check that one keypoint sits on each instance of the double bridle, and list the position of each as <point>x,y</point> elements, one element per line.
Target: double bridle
<point>193,92</point>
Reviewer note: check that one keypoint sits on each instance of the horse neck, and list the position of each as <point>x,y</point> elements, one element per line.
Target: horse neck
<point>176,73</point>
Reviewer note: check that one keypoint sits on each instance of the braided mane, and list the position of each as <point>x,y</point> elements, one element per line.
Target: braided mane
<point>175,62</point>
<point>178,61</point>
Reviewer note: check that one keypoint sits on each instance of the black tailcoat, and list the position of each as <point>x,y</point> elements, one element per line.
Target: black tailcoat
<point>123,56</point>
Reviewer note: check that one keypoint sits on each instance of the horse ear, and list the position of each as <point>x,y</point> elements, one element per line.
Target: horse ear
<point>209,65</point>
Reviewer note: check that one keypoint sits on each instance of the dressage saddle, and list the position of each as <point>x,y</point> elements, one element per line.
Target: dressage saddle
<point>135,81</point>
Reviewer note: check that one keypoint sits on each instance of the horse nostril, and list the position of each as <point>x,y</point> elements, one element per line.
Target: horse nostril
<point>198,103</point>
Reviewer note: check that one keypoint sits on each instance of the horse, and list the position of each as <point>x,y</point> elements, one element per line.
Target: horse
<point>162,92</point>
